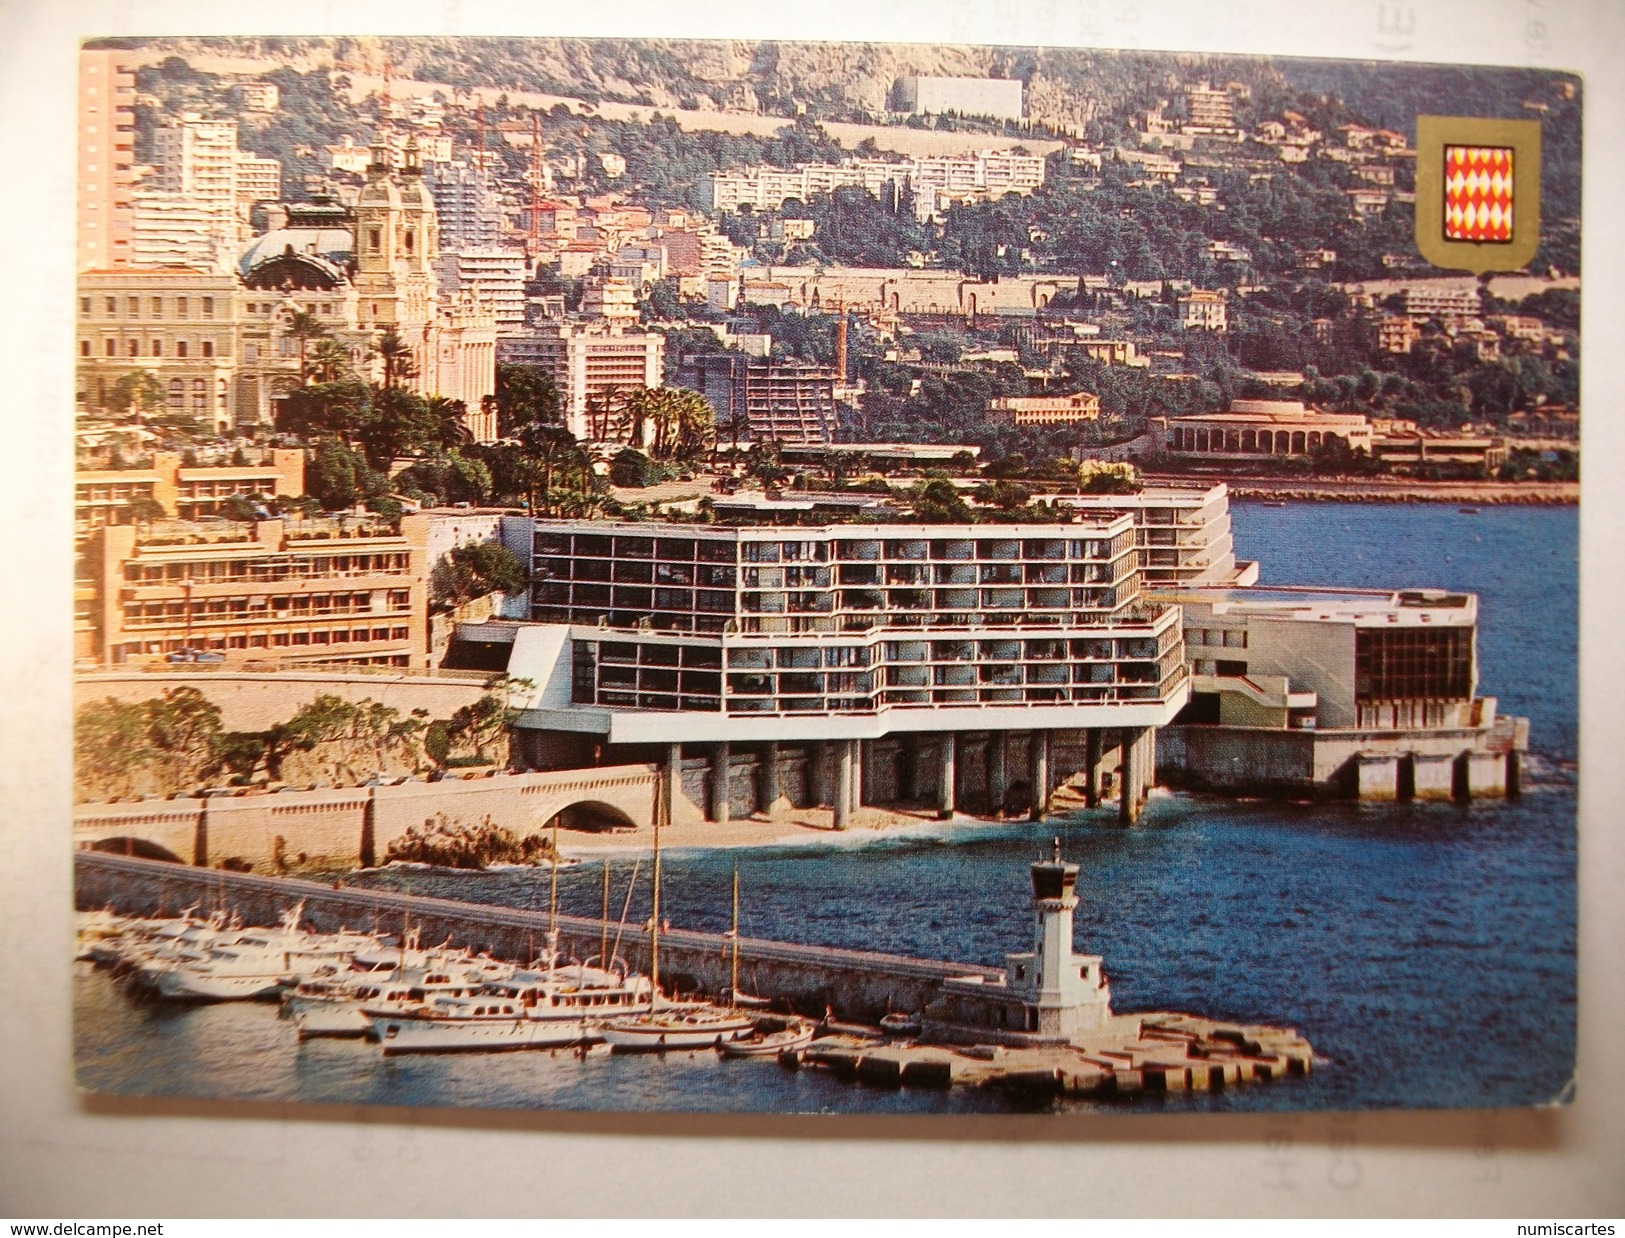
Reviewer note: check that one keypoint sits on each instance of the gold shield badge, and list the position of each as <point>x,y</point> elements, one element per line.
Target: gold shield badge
<point>1477,192</point>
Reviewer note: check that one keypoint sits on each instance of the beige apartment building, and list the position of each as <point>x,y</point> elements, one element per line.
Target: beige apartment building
<point>319,591</point>
<point>101,496</point>
<point>589,365</point>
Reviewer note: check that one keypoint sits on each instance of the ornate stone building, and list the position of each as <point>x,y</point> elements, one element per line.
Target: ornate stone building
<point>357,274</point>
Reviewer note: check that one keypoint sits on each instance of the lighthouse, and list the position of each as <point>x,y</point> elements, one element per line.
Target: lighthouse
<point>1063,991</point>
<point>1048,995</point>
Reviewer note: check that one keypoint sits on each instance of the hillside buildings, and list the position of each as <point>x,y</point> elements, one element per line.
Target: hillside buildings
<point>932,179</point>
<point>220,344</point>
<point>758,399</point>
<point>1044,410</point>
<point>593,367</point>
<point>1260,429</point>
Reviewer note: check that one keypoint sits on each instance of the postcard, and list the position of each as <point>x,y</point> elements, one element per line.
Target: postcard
<point>786,577</point>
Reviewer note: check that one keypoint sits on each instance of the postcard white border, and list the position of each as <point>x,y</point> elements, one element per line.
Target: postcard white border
<point>62,1155</point>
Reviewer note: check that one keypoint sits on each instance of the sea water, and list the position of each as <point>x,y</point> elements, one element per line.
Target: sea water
<point>1425,950</point>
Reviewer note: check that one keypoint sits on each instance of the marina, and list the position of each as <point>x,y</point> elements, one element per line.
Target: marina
<point>1449,981</point>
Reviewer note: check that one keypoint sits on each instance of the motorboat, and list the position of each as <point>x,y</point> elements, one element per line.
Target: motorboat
<point>899,1024</point>
<point>795,1035</point>
<point>344,1004</point>
<point>481,1023</point>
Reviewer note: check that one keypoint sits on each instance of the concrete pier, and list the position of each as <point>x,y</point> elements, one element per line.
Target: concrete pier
<point>1433,776</point>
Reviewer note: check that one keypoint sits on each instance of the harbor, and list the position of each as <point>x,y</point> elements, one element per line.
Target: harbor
<point>1042,1024</point>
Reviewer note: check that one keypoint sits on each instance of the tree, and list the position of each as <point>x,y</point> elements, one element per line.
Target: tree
<point>138,392</point>
<point>182,727</point>
<point>110,748</point>
<point>336,408</point>
<point>474,570</point>
<point>936,500</point>
<point>142,510</point>
<point>675,422</point>
<point>304,327</point>
<point>525,394</point>
<point>398,423</point>
<point>329,361</point>
<point>397,358</point>
<point>634,470</point>
<point>448,422</point>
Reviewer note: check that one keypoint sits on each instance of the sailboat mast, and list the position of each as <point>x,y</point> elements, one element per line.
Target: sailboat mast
<point>733,974</point>
<point>654,921</point>
<point>553,904</point>
<point>603,924</point>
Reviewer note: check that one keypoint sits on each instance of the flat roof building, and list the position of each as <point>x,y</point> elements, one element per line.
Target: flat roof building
<point>317,591</point>
<point>1044,410</point>
<point>1261,429</point>
<point>592,367</point>
<point>785,402</point>
<point>101,496</point>
<point>106,177</point>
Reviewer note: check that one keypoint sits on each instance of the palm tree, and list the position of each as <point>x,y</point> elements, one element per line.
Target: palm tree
<point>397,355</point>
<point>329,360</point>
<point>304,327</point>
<point>449,419</point>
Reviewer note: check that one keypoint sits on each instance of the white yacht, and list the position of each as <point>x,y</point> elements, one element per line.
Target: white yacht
<point>480,1023</point>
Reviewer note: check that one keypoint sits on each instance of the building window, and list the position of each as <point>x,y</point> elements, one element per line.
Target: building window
<point>157,307</point>
<point>84,305</point>
<point>177,394</point>
<point>180,348</point>
<point>84,348</point>
<point>374,239</point>
<point>112,306</point>
<point>180,307</point>
<point>157,348</point>
<point>208,307</point>
<point>112,348</point>
<point>208,348</point>
<point>200,396</point>
<point>134,348</point>
<point>135,307</point>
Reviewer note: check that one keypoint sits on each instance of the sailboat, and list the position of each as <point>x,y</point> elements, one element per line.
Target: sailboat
<point>744,1001</point>
<point>685,1027</point>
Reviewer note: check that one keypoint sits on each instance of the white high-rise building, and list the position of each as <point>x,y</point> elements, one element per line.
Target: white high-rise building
<point>493,275</point>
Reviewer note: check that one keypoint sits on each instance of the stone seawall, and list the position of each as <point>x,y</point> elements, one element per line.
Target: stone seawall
<point>349,827</point>
<point>807,979</point>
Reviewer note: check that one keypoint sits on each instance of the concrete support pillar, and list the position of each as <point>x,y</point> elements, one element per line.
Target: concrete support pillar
<point>998,774</point>
<point>945,775</point>
<point>843,784</point>
<point>818,780</point>
<point>1091,768</point>
<point>1377,775</point>
<point>1039,751</point>
<point>671,788</point>
<point>1514,773</point>
<point>721,758</point>
<point>1129,795</point>
<point>767,780</point>
<point>1148,761</point>
<point>856,800</point>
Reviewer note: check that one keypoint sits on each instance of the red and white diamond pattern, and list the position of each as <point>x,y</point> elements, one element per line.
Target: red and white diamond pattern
<point>1478,193</point>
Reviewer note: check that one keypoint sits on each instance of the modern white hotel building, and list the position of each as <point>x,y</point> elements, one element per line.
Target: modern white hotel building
<point>842,665</point>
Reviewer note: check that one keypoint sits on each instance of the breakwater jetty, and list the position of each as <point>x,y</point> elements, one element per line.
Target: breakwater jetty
<point>1042,1024</point>
<point>857,984</point>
